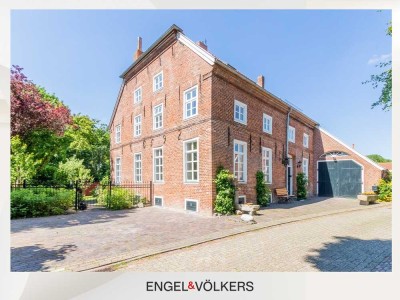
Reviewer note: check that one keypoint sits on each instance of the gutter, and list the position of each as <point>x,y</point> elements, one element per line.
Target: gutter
<point>287,145</point>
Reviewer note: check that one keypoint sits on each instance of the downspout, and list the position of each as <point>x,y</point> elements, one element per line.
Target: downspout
<point>287,145</point>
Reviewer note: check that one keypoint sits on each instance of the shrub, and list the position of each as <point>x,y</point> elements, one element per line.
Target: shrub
<point>27,203</point>
<point>385,190</point>
<point>301,181</point>
<point>120,198</point>
<point>225,186</point>
<point>262,190</point>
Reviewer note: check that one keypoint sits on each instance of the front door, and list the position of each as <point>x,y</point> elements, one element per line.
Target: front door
<point>290,176</point>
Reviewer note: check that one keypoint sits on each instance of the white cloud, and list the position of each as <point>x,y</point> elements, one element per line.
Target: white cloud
<point>376,59</point>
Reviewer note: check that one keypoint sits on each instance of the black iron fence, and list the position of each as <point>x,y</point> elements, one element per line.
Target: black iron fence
<point>95,194</point>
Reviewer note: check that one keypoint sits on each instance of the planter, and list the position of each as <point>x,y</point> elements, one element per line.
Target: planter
<point>250,208</point>
<point>367,199</point>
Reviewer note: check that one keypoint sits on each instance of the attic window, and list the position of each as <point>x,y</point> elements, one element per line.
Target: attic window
<point>334,154</point>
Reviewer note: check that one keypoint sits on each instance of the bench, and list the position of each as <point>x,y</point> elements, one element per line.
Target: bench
<point>283,195</point>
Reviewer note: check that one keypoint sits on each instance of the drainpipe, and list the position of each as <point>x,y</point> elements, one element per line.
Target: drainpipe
<point>287,144</point>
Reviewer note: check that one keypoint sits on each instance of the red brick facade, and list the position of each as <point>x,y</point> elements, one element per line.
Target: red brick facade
<point>218,86</point>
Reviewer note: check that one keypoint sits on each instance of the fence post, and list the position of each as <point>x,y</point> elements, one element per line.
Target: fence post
<point>76,195</point>
<point>109,194</point>
<point>151,192</point>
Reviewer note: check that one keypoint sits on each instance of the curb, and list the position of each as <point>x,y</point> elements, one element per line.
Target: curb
<point>108,264</point>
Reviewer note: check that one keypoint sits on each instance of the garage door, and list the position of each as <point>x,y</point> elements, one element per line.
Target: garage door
<point>339,178</point>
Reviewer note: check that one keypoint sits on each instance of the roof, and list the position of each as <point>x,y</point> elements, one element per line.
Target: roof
<point>209,58</point>
<point>386,165</point>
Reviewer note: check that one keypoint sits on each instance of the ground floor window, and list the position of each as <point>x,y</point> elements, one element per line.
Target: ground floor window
<point>191,205</point>
<point>267,164</point>
<point>240,160</point>
<point>118,170</point>
<point>305,167</point>
<point>158,165</point>
<point>241,199</point>
<point>138,167</point>
<point>158,201</point>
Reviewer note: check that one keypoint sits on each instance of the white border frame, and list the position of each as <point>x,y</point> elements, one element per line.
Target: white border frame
<point>154,78</point>
<point>271,160</point>
<point>245,160</point>
<point>308,140</point>
<point>162,201</point>
<point>294,134</point>
<point>134,166</point>
<point>154,166</point>
<point>120,133</point>
<point>134,125</point>
<point>197,102</point>
<point>237,199</point>
<point>115,177</point>
<point>184,161</point>
<point>134,95</point>
<point>162,116</point>
<point>240,104</point>
<point>193,200</point>
<point>270,118</point>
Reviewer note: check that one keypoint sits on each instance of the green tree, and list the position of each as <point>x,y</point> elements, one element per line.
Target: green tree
<point>23,163</point>
<point>72,170</point>
<point>383,79</point>
<point>225,186</point>
<point>262,190</point>
<point>301,181</point>
<point>378,158</point>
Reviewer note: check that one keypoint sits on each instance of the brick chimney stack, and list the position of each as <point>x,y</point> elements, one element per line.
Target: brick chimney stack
<point>202,45</point>
<point>353,146</point>
<point>260,81</point>
<point>139,49</point>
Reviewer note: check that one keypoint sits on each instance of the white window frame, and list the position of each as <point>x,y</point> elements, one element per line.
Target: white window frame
<point>291,128</point>
<point>264,151</point>
<point>306,137</point>
<point>118,130</point>
<point>162,165</point>
<point>162,201</point>
<point>244,144</point>
<point>155,88</point>
<point>155,117</point>
<point>305,167</point>
<point>195,99</point>
<point>265,118</point>
<point>137,95</point>
<point>241,196</point>
<point>240,105</point>
<point>137,126</point>
<point>118,177</point>
<point>192,200</point>
<point>185,180</point>
<point>135,172</point>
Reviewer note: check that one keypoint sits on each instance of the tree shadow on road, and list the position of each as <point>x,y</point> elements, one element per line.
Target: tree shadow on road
<point>347,254</point>
<point>36,258</point>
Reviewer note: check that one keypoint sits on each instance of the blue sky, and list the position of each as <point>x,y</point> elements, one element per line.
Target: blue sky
<point>315,60</point>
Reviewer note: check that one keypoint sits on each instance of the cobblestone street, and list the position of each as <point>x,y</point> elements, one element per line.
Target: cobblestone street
<point>356,241</point>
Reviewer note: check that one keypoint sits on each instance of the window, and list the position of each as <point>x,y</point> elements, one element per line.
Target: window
<point>158,201</point>
<point>240,160</point>
<point>158,116</point>
<point>137,95</point>
<point>305,167</point>
<point>118,170</point>
<point>137,125</point>
<point>292,134</point>
<point>118,134</point>
<point>267,164</point>
<point>241,199</point>
<point>191,157</point>
<point>267,123</point>
<point>158,165</point>
<point>305,140</point>
<point>190,109</point>
<point>138,167</point>
<point>191,205</point>
<point>240,112</point>
<point>158,82</point>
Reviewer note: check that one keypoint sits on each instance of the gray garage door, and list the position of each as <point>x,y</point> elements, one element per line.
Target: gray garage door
<point>339,178</point>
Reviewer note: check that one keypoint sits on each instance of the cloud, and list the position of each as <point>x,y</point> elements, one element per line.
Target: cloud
<point>376,59</point>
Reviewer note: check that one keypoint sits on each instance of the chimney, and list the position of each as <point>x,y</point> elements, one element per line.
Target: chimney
<point>260,80</point>
<point>139,48</point>
<point>202,45</point>
<point>353,146</point>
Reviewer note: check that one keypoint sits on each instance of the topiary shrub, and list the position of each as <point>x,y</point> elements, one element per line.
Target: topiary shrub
<point>225,186</point>
<point>301,181</point>
<point>385,190</point>
<point>262,190</point>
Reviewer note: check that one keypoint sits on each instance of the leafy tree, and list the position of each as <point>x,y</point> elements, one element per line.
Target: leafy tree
<point>72,170</point>
<point>225,186</point>
<point>262,190</point>
<point>383,79</point>
<point>301,181</point>
<point>23,164</point>
<point>378,158</point>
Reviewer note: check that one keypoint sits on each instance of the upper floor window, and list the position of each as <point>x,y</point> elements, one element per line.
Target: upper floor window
<point>267,123</point>
<point>267,164</point>
<point>305,140</point>
<point>137,125</point>
<point>190,108</point>
<point>240,113</point>
<point>240,160</point>
<point>158,165</point>
<point>137,95</point>
<point>158,116</point>
<point>118,134</point>
<point>191,158</point>
<point>158,82</point>
<point>292,134</point>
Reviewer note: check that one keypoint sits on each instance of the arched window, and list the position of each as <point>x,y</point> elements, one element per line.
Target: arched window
<point>334,154</point>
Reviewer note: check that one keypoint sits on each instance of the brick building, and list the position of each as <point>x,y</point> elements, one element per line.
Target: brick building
<point>181,112</point>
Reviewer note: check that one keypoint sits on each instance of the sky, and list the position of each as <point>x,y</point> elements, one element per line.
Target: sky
<point>316,60</point>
